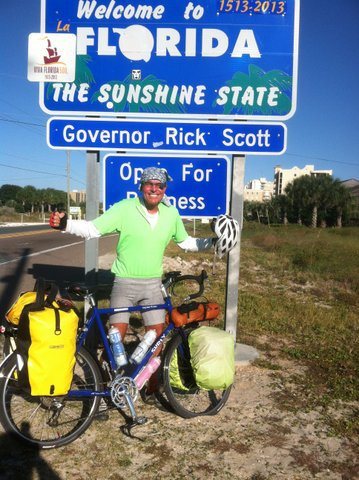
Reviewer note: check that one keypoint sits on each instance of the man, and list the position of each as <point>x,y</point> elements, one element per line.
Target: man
<point>145,226</point>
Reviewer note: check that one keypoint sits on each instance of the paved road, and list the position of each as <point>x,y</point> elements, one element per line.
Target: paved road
<point>28,253</point>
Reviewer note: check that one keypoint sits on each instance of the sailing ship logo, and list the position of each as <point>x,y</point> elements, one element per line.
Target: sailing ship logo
<point>52,54</point>
<point>51,57</point>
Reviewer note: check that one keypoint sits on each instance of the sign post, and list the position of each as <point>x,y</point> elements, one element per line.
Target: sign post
<point>236,211</point>
<point>92,208</point>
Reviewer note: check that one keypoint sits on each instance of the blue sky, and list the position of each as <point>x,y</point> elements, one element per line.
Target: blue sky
<point>323,131</point>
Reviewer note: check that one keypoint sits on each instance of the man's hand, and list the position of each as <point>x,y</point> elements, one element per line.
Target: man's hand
<point>58,220</point>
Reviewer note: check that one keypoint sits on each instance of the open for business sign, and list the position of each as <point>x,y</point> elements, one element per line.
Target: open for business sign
<point>221,59</point>
<point>199,186</point>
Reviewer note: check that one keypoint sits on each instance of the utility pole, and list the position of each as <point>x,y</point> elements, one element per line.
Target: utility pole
<point>68,180</point>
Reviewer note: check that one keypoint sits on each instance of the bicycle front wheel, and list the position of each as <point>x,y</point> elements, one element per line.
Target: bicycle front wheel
<point>184,395</point>
<point>9,346</point>
<point>49,422</point>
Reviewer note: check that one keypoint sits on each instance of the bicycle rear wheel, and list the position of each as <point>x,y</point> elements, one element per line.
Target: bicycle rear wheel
<point>49,422</point>
<point>184,395</point>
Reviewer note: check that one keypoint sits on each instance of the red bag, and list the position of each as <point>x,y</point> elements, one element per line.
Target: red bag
<point>193,312</point>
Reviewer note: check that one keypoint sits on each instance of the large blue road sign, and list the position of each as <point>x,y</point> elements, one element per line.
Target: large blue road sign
<point>211,137</point>
<point>223,59</point>
<point>200,186</point>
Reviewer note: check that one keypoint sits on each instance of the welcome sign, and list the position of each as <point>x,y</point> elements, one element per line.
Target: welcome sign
<point>222,59</point>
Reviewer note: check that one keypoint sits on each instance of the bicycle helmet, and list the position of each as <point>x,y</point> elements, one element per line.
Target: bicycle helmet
<point>227,230</point>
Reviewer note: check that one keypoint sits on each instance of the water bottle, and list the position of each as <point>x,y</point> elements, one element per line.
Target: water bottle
<point>117,346</point>
<point>147,371</point>
<point>143,347</point>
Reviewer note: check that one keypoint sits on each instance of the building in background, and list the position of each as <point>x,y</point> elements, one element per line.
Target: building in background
<point>282,177</point>
<point>352,184</point>
<point>258,190</point>
<point>78,196</point>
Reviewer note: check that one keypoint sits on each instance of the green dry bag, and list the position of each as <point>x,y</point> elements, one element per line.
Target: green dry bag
<point>212,357</point>
<point>175,376</point>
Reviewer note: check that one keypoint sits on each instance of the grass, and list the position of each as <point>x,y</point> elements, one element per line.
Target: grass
<point>331,254</point>
<point>299,288</point>
<point>313,302</point>
<point>7,216</point>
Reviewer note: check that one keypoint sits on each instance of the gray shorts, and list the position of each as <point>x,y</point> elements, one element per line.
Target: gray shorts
<point>127,292</point>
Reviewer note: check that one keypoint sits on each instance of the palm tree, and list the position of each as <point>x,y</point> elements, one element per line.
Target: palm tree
<point>28,195</point>
<point>281,206</point>
<point>310,193</point>
<point>296,200</point>
<point>341,200</point>
<point>42,199</point>
<point>316,196</point>
<point>50,197</point>
<point>253,210</point>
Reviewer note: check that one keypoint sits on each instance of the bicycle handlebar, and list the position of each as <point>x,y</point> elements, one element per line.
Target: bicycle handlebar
<point>172,278</point>
<point>8,330</point>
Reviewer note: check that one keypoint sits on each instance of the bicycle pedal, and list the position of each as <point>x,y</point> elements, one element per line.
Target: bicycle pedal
<point>141,420</point>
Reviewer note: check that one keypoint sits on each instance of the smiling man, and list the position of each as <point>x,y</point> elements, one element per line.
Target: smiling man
<point>145,226</point>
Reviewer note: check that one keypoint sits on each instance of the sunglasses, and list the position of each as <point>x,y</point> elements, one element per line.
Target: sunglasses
<point>160,186</point>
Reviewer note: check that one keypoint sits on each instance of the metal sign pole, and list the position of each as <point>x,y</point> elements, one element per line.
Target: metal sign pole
<point>68,174</point>
<point>236,211</point>
<point>91,246</point>
<point>92,211</point>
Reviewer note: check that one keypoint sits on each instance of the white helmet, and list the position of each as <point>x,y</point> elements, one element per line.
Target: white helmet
<point>227,230</point>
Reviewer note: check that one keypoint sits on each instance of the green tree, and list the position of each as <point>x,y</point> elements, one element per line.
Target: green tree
<point>341,201</point>
<point>314,197</point>
<point>28,197</point>
<point>294,193</point>
<point>254,210</point>
<point>50,197</point>
<point>8,192</point>
<point>280,206</point>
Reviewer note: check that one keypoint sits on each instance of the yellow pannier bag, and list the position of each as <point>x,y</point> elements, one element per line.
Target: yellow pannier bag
<point>14,313</point>
<point>46,342</point>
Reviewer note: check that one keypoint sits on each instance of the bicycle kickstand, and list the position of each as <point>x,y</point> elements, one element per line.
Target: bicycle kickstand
<point>134,421</point>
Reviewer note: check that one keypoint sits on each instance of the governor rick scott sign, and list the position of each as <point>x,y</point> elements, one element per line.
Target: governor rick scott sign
<point>217,59</point>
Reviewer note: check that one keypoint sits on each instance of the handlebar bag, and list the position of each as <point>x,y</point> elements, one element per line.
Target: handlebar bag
<point>193,312</point>
<point>212,357</point>
<point>46,343</point>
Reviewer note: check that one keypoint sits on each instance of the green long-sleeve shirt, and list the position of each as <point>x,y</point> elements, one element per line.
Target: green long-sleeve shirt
<point>140,247</point>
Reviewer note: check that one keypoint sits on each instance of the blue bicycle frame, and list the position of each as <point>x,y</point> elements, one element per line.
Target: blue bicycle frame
<point>130,370</point>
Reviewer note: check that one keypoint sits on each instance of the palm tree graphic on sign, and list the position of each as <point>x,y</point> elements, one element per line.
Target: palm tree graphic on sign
<point>122,104</point>
<point>258,78</point>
